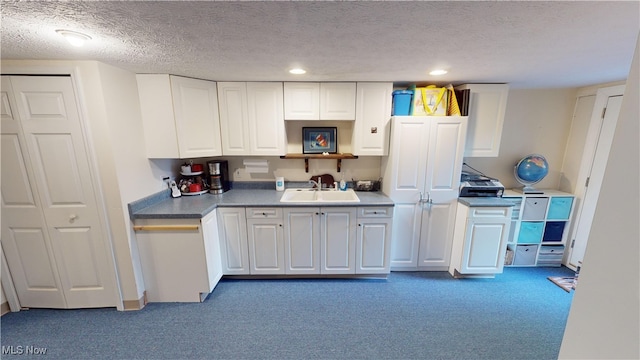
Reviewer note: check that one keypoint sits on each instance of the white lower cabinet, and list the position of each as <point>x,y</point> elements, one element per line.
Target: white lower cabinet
<point>266,241</point>
<point>305,240</point>
<point>480,240</point>
<point>232,223</point>
<point>373,240</point>
<point>180,258</point>
<point>320,240</point>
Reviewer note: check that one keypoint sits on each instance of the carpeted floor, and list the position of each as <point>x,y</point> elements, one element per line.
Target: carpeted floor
<point>412,315</point>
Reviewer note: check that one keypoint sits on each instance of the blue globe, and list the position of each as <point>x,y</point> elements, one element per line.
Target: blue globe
<point>531,169</point>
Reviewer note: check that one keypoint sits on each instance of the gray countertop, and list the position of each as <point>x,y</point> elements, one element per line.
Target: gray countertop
<point>195,207</point>
<point>484,201</point>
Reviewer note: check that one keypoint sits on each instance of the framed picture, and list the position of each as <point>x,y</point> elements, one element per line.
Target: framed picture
<point>317,140</point>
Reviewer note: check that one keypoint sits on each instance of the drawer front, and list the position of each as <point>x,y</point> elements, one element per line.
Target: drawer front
<point>530,232</point>
<point>375,212</point>
<point>560,208</point>
<point>535,208</point>
<point>488,212</point>
<point>264,213</point>
<point>553,231</point>
<point>552,250</point>
<point>525,255</point>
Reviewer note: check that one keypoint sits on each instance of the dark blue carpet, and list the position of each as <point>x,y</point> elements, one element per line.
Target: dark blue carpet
<point>411,315</point>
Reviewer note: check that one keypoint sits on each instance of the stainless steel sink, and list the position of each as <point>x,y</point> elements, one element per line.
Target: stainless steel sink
<point>313,196</point>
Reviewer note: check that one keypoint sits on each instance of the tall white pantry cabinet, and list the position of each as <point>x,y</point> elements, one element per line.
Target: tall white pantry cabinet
<point>422,177</point>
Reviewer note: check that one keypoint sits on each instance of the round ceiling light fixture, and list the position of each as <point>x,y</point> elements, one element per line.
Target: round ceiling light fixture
<point>73,37</point>
<point>297,71</point>
<point>438,72</point>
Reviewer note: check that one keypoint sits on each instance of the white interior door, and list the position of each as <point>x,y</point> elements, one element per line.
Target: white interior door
<point>25,237</point>
<point>587,207</point>
<point>50,122</point>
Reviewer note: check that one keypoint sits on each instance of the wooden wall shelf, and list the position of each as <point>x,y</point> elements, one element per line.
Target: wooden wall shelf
<point>306,158</point>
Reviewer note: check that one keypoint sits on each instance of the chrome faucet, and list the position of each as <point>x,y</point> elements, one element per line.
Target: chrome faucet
<point>317,184</point>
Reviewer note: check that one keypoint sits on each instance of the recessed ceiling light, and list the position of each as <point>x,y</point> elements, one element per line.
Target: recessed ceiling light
<point>73,37</point>
<point>297,71</point>
<point>438,72</point>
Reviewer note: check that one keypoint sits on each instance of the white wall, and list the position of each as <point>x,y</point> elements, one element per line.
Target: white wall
<point>604,320</point>
<point>536,121</point>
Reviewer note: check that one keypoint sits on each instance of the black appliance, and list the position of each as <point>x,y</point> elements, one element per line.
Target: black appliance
<point>218,176</point>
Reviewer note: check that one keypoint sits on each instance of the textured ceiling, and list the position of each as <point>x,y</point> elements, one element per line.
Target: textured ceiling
<point>526,44</point>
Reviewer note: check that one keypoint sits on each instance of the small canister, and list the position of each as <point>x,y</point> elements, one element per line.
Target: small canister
<point>280,183</point>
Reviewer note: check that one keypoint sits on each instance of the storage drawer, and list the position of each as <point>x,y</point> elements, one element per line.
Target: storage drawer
<point>488,212</point>
<point>551,250</point>
<point>530,232</point>
<point>535,208</point>
<point>264,213</point>
<point>375,212</point>
<point>553,231</point>
<point>525,255</point>
<point>560,208</point>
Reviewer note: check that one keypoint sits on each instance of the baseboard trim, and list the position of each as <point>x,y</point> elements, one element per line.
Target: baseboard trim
<point>135,304</point>
<point>4,308</point>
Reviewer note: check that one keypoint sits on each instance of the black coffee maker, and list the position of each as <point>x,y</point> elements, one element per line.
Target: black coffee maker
<point>218,176</point>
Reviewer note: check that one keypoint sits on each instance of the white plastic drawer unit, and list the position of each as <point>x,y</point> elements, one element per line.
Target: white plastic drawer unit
<point>535,208</point>
<point>264,213</point>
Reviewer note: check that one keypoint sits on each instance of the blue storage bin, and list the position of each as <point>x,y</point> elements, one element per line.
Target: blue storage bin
<point>560,208</point>
<point>553,231</point>
<point>402,102</point>
<point>530,232</point>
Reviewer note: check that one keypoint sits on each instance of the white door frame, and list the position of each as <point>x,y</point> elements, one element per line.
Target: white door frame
<point>59,68</point>
<point>587,164</point>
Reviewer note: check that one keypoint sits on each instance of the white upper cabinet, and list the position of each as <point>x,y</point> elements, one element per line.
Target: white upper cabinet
<point>337,101</point>
<point>180,116</point>
<point>234,120</point>
<point>320,101</point>
<point>487,106</point>
<point>251,118</point>
<point>267,135</point>
<point>301,101</point>
<point>373,113</point>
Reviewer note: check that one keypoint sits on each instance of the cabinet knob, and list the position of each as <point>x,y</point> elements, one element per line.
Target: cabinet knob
<point>73,217</point>
<point>359,224</point>
<point>264,214</point>
<point>317,213</point>
<point>280,225</point>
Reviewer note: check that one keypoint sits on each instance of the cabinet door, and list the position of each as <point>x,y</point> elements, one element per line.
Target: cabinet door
<point>234,121</point>
<point>373,246</point>
<point>487,106</point>
<point>266,246</point>
<point>232,226</point>
<point>405,235</point>
<point>266,119</point>
<point>158,120</point>
<point>444,164</point>
<point>436,235</point>
<point>337,101</point>
<point>195,105</point>
<point>485,244</point>
<point>302,240</point>
<point>301,101</point>
<point>338,240</point>
<point>373,114</point>
<point>404,175</point>
<point>212,248</point>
